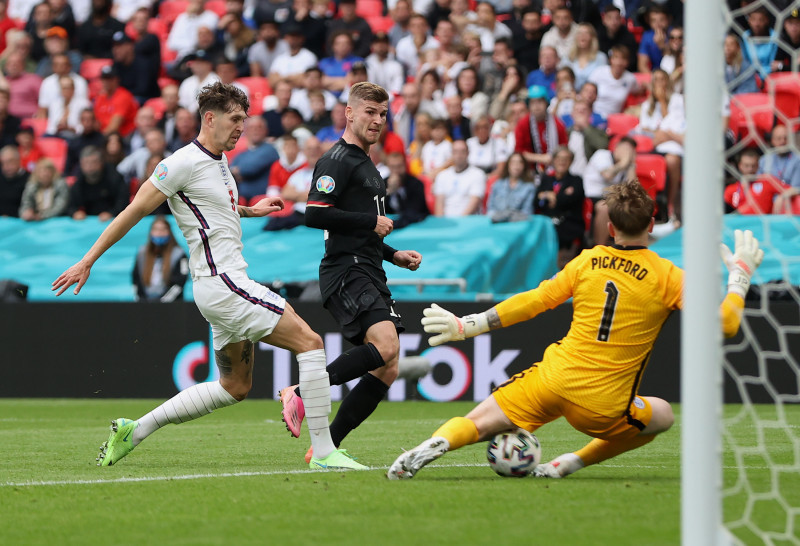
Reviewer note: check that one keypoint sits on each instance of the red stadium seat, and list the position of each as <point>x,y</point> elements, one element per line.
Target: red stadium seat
<point>588,213</point>
<point>56,149</point>
<point>380,23</point>
<point>430,199</point>
<point>157,104</point>
<point>90,68</point>
<point>489,183</point>
<point>752,116</point>
<point>169,10</point>
<point>784,87</point>
<point>651,169</point>
<point>644,144</point>
<point>39,125</point>
<point>621,124</point>
<point>259,88</point>
<point>217,6</point>
<point>796,205</point>
<point>369,8</point>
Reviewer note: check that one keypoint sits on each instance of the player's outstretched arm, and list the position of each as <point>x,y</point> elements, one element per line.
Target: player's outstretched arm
<point>265,206</point>
<point>147,199</point>
<point>741,264</point>
<point>449,327</point>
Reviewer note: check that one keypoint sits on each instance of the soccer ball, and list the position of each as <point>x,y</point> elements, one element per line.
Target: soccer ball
<point>514,454</point>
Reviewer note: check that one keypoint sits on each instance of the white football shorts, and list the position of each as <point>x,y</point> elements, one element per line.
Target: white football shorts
<point>237,307</point>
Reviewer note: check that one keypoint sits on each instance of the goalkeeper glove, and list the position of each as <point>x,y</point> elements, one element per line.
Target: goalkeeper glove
<point>450,327</point>
<point>743,262</point>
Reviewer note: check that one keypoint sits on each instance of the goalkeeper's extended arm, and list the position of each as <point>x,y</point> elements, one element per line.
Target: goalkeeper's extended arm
<point>449,327</point>
<point>742,263</point>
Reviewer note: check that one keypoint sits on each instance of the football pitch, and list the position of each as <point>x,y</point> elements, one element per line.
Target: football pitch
<point>236,476</point>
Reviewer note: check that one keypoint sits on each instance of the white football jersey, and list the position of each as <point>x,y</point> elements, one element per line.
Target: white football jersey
<point>203,196</point>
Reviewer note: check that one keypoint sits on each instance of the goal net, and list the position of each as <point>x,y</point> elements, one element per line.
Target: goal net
<point>753,496</point>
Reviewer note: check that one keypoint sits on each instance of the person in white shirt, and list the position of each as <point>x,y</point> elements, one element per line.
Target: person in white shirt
<point>50,90</point>
<point>419,41</point>
<point>202,195</point>
<point>64,114</point>
<point>203,74</point>
<point>312,81</point>
<point>486,152</point>
<point>382,68</point>
<point>183,35</point>
<point>614,83</point>
<point>488,27</point>
<point>562,34</point>
<point>269,47</point>
<point>293,64</point>
<point>459,189</point>
<point>437,153</point>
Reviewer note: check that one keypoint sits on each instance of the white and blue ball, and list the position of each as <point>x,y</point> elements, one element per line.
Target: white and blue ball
<point>514,454</point>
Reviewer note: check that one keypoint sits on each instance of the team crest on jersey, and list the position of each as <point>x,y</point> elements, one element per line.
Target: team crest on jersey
<point>325,184</point>
<point>161,171</point>
<point>638,402</point>
<point>223,170</point>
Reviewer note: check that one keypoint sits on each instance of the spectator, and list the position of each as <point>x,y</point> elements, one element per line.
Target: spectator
<point>512,90</point>
<point>584,138</point>
<point>328,136</point>
<point>461,14</point>
<point>486,152</point>
<point>437,153</point>
<point>41,20</point>
<point>320,116</point>
<point>64,114</point>
<point>613,32</point>
<point>23,88</point>
<point>431,99</point>
<point>504,127</point>
<point>584,56</point>
<point>423,127</point>
<point>335,67</point>
<point>95,36</point>
<point>671,59</point>
<point>295,190</point>
<point>588,93</point>
<point>410,48</point>
<point>354,24</point>
<point>780,161</point>
<point>251,167</point>
<point>9,124</point>
<point>56,43</point>
<point>488,27</point>
<point>139,75</point>
<point>654,41</point>
<point>63,16</point>
<point>312,81</point>
<point>405,194</point>
<point>474,103</point>
<point>356,74</point>
<point>19,43</point>
<point>669,141</point>
<point>88,135</point>
<point>169,96</point>
<point>237,38</point>
<point>458,125</point>
<point>134,167</point>
<point>545,75</point>
<point>614,83</point>
<point>292,123</point>
<point>502,57</point>
<point>291,66</point>
<point>459,189</point>
<point>12,181</point>
<point>511,197</point>
<point>403,120</point>
<point>227,73</point>
<point>46,195</point>
<point>273,10</point>
<point>275,105</point>
<point>185,129</point>
<point>401,15</point>
<point>740,76</point>
<point>565,94</point>
<point>266,49</point>
<point>115,106</point>
<point>760,41</point>
<point>161,266</point>
<point>754,194</point>
<point>182,37</point>
<point>538,134</point>
<point>382,67</point>
<point>6,23</point>
<point>202,66</point>
<point>561,35</point>
<point>290,161</point>
<point>656,106</point>
<point>29,151</point>
<point>560,196</point>
<point>313,17</point>
<point>114,151</point>
<point>527,39</point>
<point>98,190</point>
<point>144,121</point>
<point>606,168</point>
<point>789,44</point>
<point>50,90</point>
<point>145,44</point>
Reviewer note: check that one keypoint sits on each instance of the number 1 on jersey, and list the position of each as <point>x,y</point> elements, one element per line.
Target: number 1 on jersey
<point>608,311</point>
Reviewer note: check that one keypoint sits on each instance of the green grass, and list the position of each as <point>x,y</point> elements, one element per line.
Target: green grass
<point>237,476</point>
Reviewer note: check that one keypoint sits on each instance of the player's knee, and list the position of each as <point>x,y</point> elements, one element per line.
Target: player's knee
<point>663,416</point>
<point>238,388</point>
<point>311,341</point>
<point>389,348</point>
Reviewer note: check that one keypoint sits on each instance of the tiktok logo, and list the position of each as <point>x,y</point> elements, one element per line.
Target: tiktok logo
<point>186,362</point>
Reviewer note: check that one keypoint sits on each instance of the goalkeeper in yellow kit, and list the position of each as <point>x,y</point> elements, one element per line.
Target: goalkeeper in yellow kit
<point>622,294</point>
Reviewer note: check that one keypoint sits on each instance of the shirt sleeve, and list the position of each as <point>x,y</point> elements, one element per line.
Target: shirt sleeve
<point>328,182</point>
<point>170,176</point>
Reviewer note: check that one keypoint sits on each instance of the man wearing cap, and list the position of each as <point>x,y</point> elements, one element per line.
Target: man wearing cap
<point>136,74</point>
<point>382,68</point>
<point>292,65</point>
<point>538,134</point>
<point>789,44</point>
<point>115,106</point>
<point>56,42</point>
<point>202,68</point>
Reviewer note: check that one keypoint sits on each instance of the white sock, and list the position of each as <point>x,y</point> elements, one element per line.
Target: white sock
<point>191,403</point>
<point>315,388</point>
<point>567,463</point>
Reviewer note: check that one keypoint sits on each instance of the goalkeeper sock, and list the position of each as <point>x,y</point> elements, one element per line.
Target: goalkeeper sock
<point>599,450</point>
<point>351,364</point>
<point>357,406</point>
<point>459,432</point>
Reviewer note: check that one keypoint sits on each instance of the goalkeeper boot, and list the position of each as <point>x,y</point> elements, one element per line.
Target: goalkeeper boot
<point>408,464</point>
<point>338,459</point>
<point>560,467</point>
<point>119,443</point>
<point>293,411</point>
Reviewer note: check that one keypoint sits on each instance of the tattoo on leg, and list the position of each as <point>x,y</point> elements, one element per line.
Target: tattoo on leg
<point>247,352</point>
<point>223,362</point>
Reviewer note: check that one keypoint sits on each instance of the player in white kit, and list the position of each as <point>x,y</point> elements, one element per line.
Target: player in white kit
<point>203,198</point>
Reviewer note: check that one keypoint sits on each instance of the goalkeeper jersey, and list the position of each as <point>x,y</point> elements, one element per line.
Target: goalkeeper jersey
<point>621,298</point>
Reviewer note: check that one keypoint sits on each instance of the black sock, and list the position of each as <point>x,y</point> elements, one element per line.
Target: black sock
<point>357,406</point>
<point>352,363</point>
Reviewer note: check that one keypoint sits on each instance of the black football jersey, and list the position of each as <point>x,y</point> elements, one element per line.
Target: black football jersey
<point>346,178</point>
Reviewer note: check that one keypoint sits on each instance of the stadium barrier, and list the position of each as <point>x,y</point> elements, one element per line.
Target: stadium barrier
<point>140,350</point>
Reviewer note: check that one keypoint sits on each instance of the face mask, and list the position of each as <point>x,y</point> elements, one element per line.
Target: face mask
<point>160,241</point>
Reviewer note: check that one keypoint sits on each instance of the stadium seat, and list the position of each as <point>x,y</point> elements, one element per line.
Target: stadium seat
<point>39,125</point>
<point>380,23</point>
<point>644,144</point>
<point>784,87</point>
<point>588,213</point>
<point>796,205</point>
<point>169,10</point>
<point>90,68</point>
<point>157,104</point>
<point>369,8</point>
<point>430,199</point>
<point>643,79</point>
<point>155,26</point>
<point>621,124</point>
<point>56,149</point>
<point>752,116</point>
<point>259,89</point>
<point>651,169</point>
<point>489,183</point>
<point>217,6</point>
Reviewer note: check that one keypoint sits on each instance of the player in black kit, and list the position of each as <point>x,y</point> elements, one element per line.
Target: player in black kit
<point>347,201</point>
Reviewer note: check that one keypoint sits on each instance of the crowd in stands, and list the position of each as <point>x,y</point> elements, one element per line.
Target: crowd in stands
<point>501,107</point>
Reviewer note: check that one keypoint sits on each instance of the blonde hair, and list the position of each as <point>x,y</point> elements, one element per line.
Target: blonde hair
<point>367,91</point>
<point>594,45</point>
<point>651,100</point>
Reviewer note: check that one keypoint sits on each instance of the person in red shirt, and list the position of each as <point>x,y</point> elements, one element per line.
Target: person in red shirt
<point>757,194</point>
<point>115,106</point>
<point>6,24</point>
<point>29,152</point>
<point>537,147</point>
